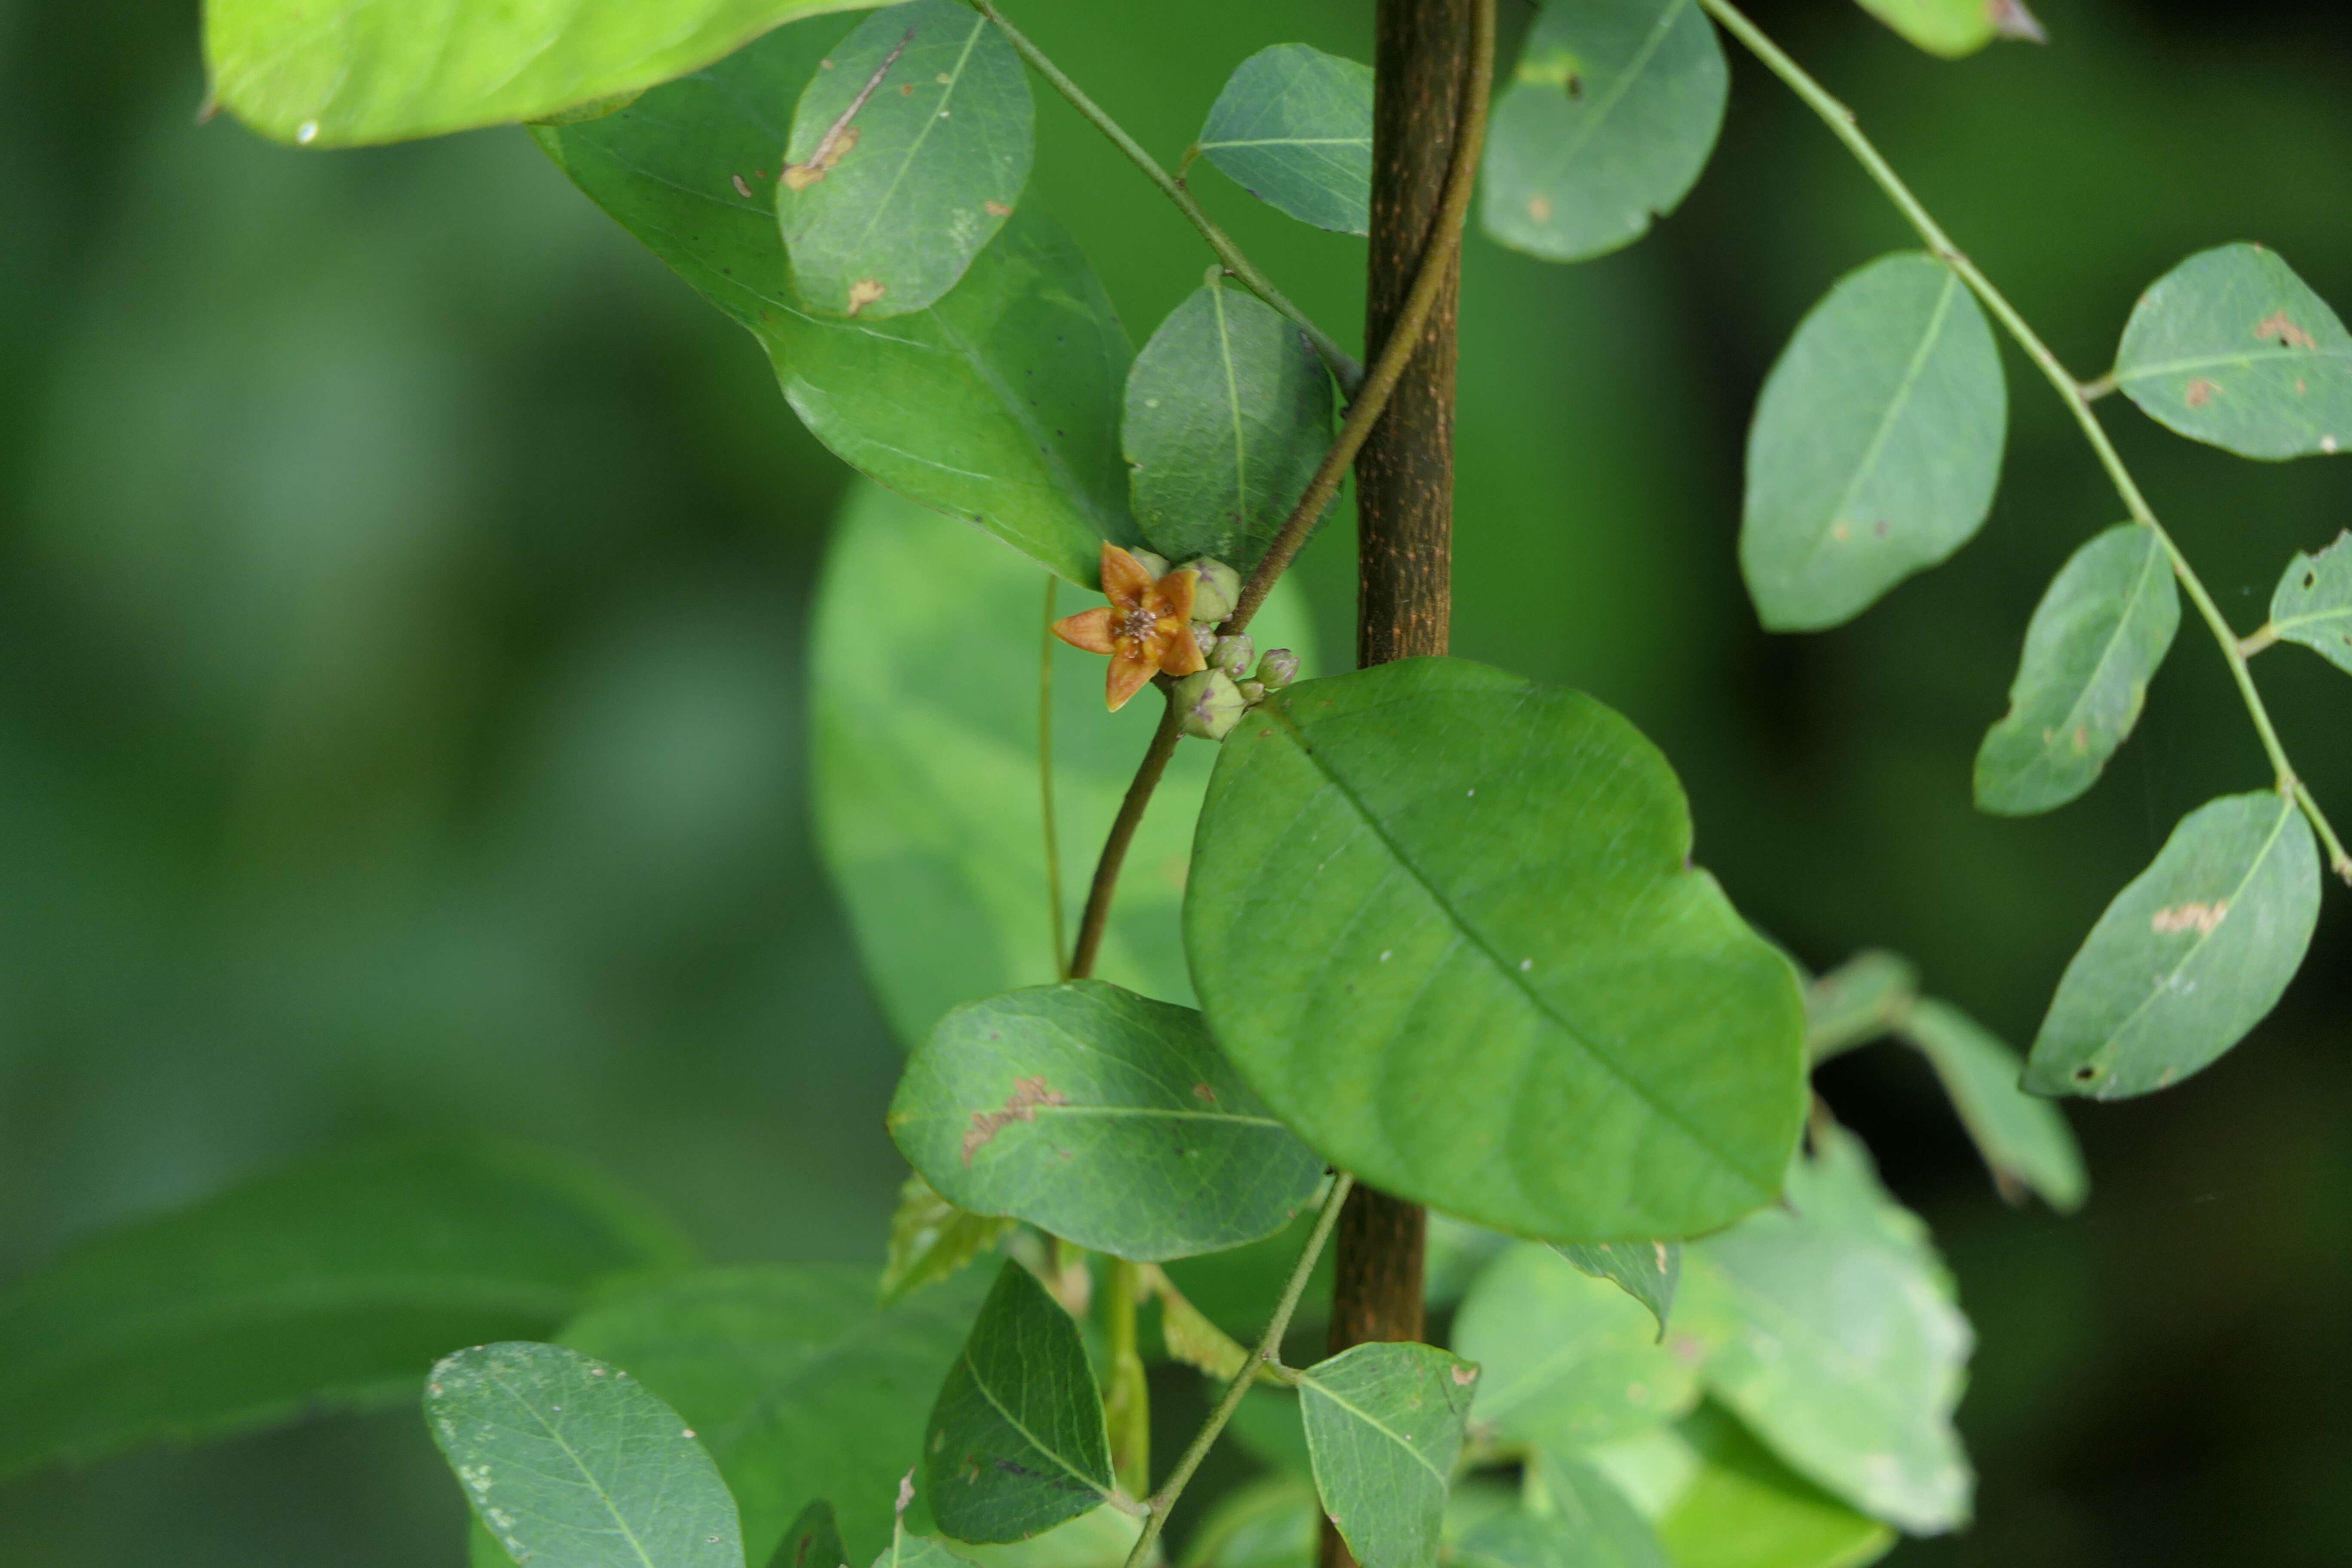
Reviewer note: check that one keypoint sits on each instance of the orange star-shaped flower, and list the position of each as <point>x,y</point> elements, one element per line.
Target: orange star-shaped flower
<point>1146,628</point>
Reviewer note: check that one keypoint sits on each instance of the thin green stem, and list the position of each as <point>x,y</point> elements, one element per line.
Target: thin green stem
<point>1350,374</point>
<point>2076,395</point>
<point>1127,1401</point>
<point>1267,1353</point>
<point>1046,780</point>
<point>1105,885</point>
<point>2261,637</point>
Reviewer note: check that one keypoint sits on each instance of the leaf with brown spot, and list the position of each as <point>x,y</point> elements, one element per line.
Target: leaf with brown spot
<point>2313,603</point>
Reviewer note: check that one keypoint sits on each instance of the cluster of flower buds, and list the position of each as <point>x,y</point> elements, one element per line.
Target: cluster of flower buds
<point>1214,700</point>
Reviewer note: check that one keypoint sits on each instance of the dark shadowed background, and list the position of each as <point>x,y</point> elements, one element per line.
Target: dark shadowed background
<point>403,589</point>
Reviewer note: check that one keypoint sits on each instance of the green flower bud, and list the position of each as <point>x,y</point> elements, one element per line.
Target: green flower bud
<point>1152,561</point>
<point>1253,692</point>
<point>1219,590</point>
<point>1204,637</point>
<point>1278,669</point>
<point>1232,655</point>
<point>1210,704</point>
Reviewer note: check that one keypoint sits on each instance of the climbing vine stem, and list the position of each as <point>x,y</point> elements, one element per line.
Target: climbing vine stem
<point>2077,395</point>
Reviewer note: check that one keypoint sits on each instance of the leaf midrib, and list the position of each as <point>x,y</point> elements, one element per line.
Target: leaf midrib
<point>619,1521</point>
<point>1310,1379</point>
<point>1606,105</point>
<point>1028,1437</point>
<point>1895,408</point>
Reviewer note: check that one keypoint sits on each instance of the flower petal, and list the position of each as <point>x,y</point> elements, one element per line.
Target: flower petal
<point>1088,629</point>
<point>1128,676</point>
<point>1182,654</point>
<point>1124,579</point>
<point>1174,594</point>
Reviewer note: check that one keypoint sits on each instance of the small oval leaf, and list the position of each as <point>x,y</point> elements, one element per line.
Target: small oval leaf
<point>1876,445</point>
<point>568,1459</point>
<point>2313,603</point>
<point>2096,639</point>
<point>1294,127</point>
<point>1101,1117</point>
<point>1384,1429</point>
<point>1016,1442</point>
<point>2024,1142</point>
<point>1613,112</point>
<point>1646,1270</point>
<point>1228,413</point>
<point>2231,348</point>
<point>2191,956</point>
<point>908,151</point>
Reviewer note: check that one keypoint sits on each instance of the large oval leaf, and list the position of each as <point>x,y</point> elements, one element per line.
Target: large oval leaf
<point>344,73</point>
<point>908,151</point>
<point>799,1385</point>
<point>999,404</point>
<point>1384,1428</point>
<point>2313,603</point>
<point>2096,639</point>
<point>2191,955</point>
<point>1614,112</point>
<point>1850,1352</point>
<point>1015,1443</point>
<point>2233,348</point>
<point>926,653</point>
<point>1101,1117</point>
<point>1294,127</point>
<point>568,1459</point>
<point>1876,444</point>
<point>1228,413</point>
<point>333,1282</point>
<point>1443,921</point>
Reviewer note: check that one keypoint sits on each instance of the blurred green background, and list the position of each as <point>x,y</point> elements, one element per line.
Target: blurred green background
<point>402,586</point>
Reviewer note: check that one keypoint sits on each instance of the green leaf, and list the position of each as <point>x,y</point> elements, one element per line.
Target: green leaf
<point>800,1386</point>
<point>1228,412</point>
<point>1858,1002</point>
<point>1270,1523</point>
<point>1103,1539</point>
<point>1384,1428</point>
<point>1015,1444</point>
<point>1719,1500</point>
<point>919,1551</point>
<point>571,1460</point>
<point>813,1540</point>
<point>1000,404</point>
<point>2191,956</point>
<point>346,73</point>
<point>2096,640</point>
<point>1849,1356</point>
<point>333,1282</point>
<point>1612,114</point>
<point>1570,1359</point>
<point>932,1239</point>
<point>925,651</point>
<point>1646,1270</point>
<point>1588,1524</point>
<point>908,151</point>
<point>1438,914</point>
<point>1294,127</point>
<point>1101,1117</point>
<point>2230,347</point>
<point>2025,1142</point>
<point>1876,444</point>
<point>2313,603</point>
<point>1955,27</point>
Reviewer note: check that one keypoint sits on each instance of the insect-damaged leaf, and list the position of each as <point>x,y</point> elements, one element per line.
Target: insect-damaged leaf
<point>568,1459</point>
<point>2191,955</point>
<point>2313,603</point>
<point>1228,412</point>
<point>927,648</point>
<point>799,1384</point>
<point>2096,640</point>
<point>1955,27</point>
<point>1294,127</point>
<point>1568,1360</point>
<point>1848,1356</point>
<point>2233,348</point>
<point>333,1282</point>
<point>1016,1443</point>
<point>1876,444</point>
<point>2025,1142</point>
<point>908,151</point>
<point>931,1239</point>
<point>1489,934</point>
<point>999,404</point>
<point>1614,109</point>
<point>1101,1117</point>
<point>1384,1428</point>
<point>345,73</point>
<point>1646,1270</point>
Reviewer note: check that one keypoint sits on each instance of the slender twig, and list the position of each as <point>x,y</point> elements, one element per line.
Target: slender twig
<point>1841,121</point>
<point>1046,780</point>
<point>1267,1353</point>
<point>1122,834</point>
<point>1343,365</point>
<point>1387,368</point>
